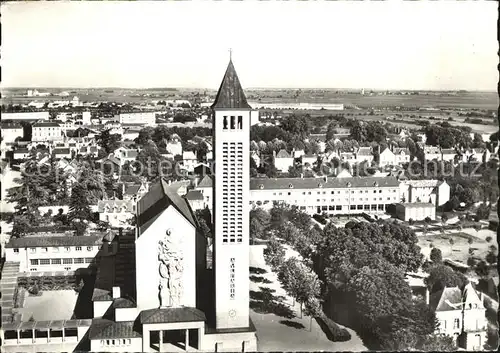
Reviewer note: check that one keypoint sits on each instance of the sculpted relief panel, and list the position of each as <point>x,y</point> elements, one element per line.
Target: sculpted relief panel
<point>170,259</point>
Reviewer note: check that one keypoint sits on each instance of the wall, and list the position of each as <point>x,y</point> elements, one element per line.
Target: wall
<point>449,317</point>
<point>231,342</point>
<point>100,307</point>
<point>121,345</point>
<point>125,314</point>
<point>147,259</point>
<point>26,116</point>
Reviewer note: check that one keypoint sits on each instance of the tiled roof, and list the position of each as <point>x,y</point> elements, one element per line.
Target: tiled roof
<point>132,189</point>
<point>21,150</point>
<point>364,151</point>
<point>170,315</point>
<point>48,124</point>
<point>194,195</point>
<point>230,94</point>
<point>48,241</point>
<point>400,150</point>
<point>206,182</point>
<point>62,151</point>
<point>422,183</point>
<point>105,329</point>
<point>283,154</point>
<point>101,205</point>
<point>440,301</point>
<point>159,197</point>
<point>313,183</point>
<point>120,303</point>
<point>448,151</point>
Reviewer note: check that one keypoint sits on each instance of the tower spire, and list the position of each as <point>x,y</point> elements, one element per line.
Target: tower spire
<point>230,54</point>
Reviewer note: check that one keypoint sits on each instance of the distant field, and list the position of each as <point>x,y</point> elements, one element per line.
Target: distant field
<point>466,100</point>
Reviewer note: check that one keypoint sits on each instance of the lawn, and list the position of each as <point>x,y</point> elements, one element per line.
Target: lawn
<point>51,305</point>
<point>278,322</point>
<point>460,249</point>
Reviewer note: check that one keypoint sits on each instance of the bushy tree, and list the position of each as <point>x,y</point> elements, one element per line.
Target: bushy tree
<point>274,254</point>
<point>441,276</point>
<point>436,256</point>
<point>259,221</point>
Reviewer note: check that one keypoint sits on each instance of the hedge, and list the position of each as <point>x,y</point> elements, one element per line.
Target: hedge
<point>47,283</point>
<point>333,331</point>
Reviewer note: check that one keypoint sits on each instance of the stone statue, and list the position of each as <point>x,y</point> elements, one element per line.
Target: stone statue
<point>170,270</point>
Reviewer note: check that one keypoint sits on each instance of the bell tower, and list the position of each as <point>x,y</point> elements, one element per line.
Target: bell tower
<point>231,136</point>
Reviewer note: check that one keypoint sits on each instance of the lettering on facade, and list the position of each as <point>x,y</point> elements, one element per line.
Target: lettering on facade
<point>232,261</point>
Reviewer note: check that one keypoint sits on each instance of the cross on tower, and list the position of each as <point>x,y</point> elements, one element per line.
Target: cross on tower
<point>230,54</point>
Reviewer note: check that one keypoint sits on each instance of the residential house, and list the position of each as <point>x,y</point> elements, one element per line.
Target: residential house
<point>309,159</point>
<point>60,153</point>
<point>282,160</point>
<point>387,157</point>
<point>364,154</point>
<point>174,145</point>
<point>448,154</point>
<point>118,213</point>
<point>189,160</point>
<point>461,314</point>
<point>196,200</point>
<point>256,158</point>
<point>432,153</point>
<point>21,153</point>
<point>125,154</point>
<point>205,186</point>
<point>10,132</point>
<point>134,192</point>
<point>402,155</point>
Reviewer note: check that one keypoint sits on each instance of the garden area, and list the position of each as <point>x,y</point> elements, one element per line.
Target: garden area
<point>280,324</point>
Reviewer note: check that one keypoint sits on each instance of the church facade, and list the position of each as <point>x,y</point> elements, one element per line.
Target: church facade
<point>155,293</point>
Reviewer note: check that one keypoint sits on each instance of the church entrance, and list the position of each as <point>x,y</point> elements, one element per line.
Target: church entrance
<point>174,340</point>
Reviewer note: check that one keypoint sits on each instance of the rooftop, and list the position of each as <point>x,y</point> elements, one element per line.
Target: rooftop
<point>170,315</point>
<point>330,183</point>
<point>50,241</point>
<point>106,329</point>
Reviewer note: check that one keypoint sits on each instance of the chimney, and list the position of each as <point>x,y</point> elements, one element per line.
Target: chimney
<point>116,292</point>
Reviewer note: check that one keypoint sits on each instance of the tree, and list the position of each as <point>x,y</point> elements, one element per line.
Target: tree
<point>441,276</point>
<point>259,221</point>
<point>297,125</point>
<point>436,256</point>
<point>482,269</point>
<point>109,142</point>
<point>330,130</point>
<point>312,308</point>
<point>298,281</point>
<point>79,207</point>
<point>438,343</point>
<point>483,211</point>
<point>274,254</point>
<point>444,218</point>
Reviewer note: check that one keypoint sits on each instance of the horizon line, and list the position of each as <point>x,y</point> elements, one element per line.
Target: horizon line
<point>254,88</point>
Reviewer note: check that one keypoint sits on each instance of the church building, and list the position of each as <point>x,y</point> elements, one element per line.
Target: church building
<point>155,292</point>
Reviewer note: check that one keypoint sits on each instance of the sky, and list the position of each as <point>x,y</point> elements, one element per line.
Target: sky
<point>446,45</point>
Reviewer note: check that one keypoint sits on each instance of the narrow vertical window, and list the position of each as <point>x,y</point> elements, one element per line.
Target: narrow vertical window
<point>224,125</point>
<point>233,123</point>
<point>240,122</point>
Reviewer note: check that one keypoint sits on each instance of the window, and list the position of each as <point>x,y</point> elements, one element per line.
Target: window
<point>16,250</point>
<point>44,261</point>
<point>34,262</point>
<point>240,122</point>
<point>456,323</point>
<point>233,123</point>
<point>224,123</point>
<point>78,248</point>
<point>56,261</point>
<point>67,249</point>
<point>88,260</point>
<point>78,261</point>
<point>67,261</point>
<point>89,248</point>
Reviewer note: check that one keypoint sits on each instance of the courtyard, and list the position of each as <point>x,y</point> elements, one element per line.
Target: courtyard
<point>50,305</point>
<point>277,318</point>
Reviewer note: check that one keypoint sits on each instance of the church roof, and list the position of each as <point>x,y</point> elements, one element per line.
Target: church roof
<point>206,182</point>
<point>157,199</point>
<point>441,300</point>
<point>106,329</point>
<point>230,95</point>
<point>169,315</point>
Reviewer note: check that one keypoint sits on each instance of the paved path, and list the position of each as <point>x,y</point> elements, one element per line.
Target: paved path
<point>279,326</point>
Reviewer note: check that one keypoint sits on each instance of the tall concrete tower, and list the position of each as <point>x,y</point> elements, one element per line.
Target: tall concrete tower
<point>231,135</point>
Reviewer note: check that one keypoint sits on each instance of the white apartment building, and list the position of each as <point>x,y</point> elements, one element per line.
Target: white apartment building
<point>348,195</point>
<point>428,191</point>
<point>46,131</point>
<point>53,252</point>
<point>26,116</point>
<point>138,118</point>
